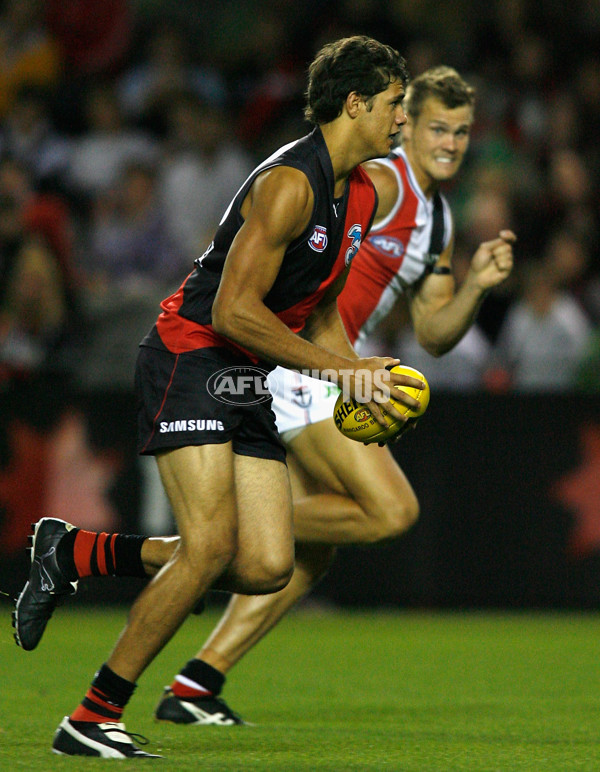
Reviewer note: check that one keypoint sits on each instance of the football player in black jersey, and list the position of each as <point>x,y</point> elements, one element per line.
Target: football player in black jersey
<point>275,268</point>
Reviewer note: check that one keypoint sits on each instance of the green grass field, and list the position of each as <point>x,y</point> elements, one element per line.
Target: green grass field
<point>337,691</point>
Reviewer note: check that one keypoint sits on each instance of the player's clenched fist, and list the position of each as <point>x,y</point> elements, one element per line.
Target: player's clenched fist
<point>493,261</point>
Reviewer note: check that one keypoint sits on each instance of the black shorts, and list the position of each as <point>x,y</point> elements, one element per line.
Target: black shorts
<point>176,409</point>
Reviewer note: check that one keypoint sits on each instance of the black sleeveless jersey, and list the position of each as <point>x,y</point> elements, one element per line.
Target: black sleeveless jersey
<point>310,265</point>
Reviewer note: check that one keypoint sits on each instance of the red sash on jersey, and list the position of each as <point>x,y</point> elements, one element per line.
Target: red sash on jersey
<point>180,334</point>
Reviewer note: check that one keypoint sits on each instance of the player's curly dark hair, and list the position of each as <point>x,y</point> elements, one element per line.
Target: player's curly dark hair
<point>357,63</point>
<point>443,83</point>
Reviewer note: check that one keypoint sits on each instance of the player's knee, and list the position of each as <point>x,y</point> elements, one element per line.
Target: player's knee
<point>391,517</point>
<point>408,514</point>
<point>270,574</point>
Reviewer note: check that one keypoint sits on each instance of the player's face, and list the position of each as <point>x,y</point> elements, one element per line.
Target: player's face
<point>437,142</point>
<point>381,124</point>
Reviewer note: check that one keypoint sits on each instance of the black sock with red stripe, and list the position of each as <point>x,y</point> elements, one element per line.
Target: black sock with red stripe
<point>87,553</point>
<point>197,679</point>
<point>106,698</point>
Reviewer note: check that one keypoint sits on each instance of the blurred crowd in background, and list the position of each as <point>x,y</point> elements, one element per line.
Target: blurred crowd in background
<point>126,127</point>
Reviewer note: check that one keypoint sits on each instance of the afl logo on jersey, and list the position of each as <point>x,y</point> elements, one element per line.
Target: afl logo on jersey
<point>355,233</point>
<point>318,240</point>
<point>388,246</point>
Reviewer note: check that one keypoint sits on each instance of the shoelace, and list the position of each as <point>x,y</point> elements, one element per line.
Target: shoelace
<point>114,727</point>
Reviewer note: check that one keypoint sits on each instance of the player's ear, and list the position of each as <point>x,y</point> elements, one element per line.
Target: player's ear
<point>353,102</point>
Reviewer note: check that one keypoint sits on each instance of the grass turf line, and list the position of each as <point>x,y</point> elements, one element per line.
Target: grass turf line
<point>430,692</point>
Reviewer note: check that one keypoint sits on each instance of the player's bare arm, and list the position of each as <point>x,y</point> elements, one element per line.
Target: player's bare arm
<point>276,212</point>
<point>386,185</point>
<point>440,316</point>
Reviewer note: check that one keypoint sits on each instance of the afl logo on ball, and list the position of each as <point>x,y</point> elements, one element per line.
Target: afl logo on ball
<point>318,240</point>
<point>362,415</point>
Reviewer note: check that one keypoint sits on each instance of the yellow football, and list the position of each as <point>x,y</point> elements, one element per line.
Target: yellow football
<point>354,419</point>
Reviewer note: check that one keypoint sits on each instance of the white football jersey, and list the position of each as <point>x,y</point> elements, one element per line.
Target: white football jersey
<point>394,256</point>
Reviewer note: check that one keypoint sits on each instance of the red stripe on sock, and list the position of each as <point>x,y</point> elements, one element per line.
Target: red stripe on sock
<point>83,714</point>
<point>100,555</point>
<point>109,712</point>
<point>182,690</point>
<point>113,539</point>
<point>82,552</point>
